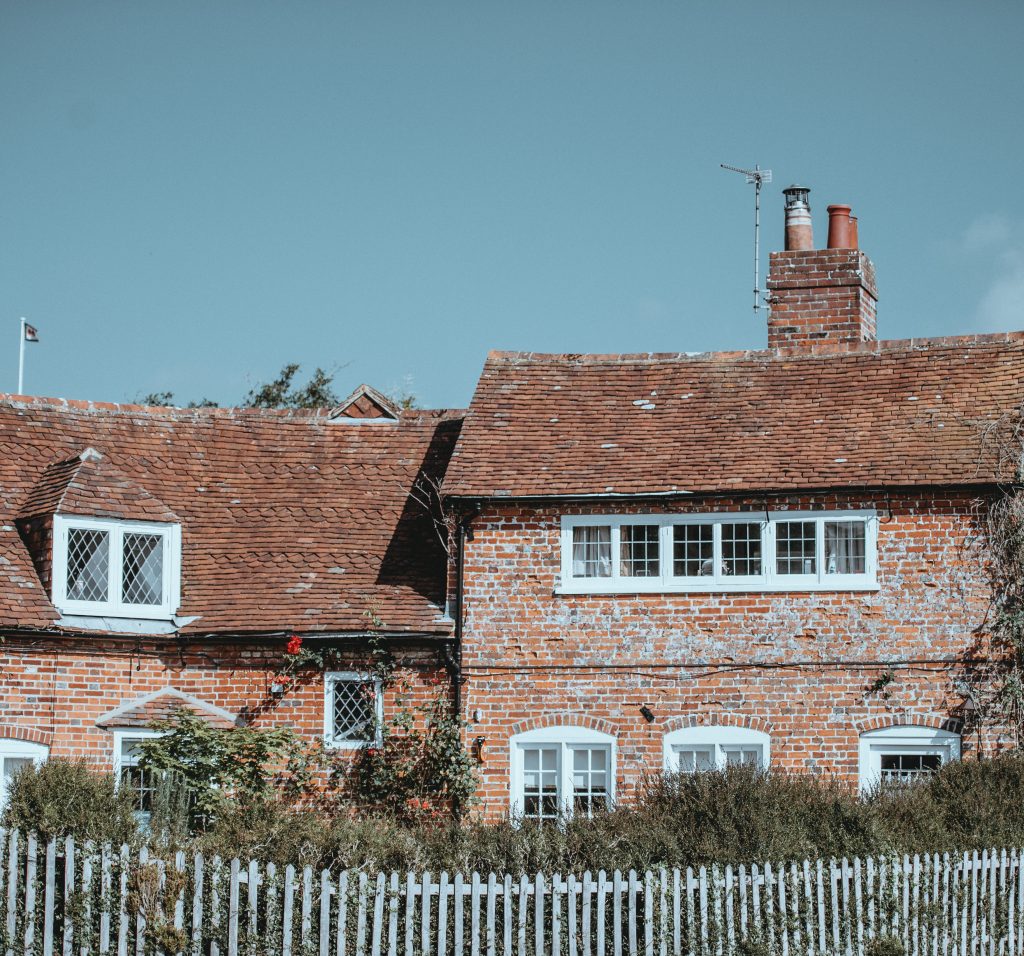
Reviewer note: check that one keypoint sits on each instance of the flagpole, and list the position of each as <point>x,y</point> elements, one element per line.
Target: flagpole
<point>21,355</point>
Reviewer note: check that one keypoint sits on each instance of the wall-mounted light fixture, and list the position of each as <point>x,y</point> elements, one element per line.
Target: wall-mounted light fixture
<point>647,713</point>
<point>478,744</point>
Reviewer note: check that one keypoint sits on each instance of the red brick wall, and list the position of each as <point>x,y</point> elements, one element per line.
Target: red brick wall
<point>821,295</point>
<point>52,691</point>
<point>797,665</point>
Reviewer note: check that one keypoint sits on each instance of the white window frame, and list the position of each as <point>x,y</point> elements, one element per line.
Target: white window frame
<point>902,739</point>
<point>717,738</point>
<point>768,581</point>
<point>334,677</point>
<point>566,739</point>
<point>114,606</point>
<point>134,734</point>
<point>20,750</point>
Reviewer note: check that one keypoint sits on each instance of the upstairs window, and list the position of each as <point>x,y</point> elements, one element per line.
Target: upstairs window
<point>353,710</point>
<point>735,551</point>
<point>115,568</point>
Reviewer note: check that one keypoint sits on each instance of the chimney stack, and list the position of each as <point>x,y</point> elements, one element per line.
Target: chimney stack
<point>820,295</point>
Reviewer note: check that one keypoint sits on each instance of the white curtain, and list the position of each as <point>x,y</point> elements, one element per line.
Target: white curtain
<point>592,552</point>
<point>844,547</point>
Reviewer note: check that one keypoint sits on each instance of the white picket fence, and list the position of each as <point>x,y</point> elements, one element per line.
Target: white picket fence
<point>81,900</point>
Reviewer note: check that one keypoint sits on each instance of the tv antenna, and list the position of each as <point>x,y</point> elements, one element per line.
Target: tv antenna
<point>758,177</point>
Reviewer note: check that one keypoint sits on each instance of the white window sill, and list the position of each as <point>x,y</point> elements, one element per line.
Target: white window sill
<point>350,744</point>
<point>660,587</point>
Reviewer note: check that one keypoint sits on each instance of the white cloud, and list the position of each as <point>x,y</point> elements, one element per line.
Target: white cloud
<point>1001,306</point>
<point>986,231</point>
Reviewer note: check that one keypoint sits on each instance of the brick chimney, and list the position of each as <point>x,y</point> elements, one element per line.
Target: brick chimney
<point>820,295</point>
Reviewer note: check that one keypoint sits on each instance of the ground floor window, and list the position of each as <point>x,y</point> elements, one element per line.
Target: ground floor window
<point>899,755</point>
<point>129,774</point>
<point>693,749</point>
<point>15,754</point>
<point>561,771</point>
<point>353,709</point>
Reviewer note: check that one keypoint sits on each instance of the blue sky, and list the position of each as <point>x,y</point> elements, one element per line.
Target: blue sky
<point>194,193</point>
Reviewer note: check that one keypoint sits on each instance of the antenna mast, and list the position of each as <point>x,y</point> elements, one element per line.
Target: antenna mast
<point>758,177</point>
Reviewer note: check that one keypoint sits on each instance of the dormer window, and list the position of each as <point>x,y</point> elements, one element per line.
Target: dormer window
<point>111,568</point>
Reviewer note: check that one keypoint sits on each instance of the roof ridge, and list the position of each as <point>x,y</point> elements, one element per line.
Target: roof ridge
<point>14,400</point>
<point>819,350</point>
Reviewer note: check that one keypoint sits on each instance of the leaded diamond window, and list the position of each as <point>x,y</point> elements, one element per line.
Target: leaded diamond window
<point>142,569</point>
<point>353,709</point>
<point>112,568</point>
<point>88,564</point>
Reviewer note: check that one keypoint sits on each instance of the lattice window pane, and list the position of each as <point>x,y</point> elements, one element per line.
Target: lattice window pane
<point>845,547</point>
<point>693,550</point>
<point>142,569</point>
<point>141,783</point>
<point>741,549</point>
<point>353,711</point>
<point>638,551</point>
<point>88,564</point>
<point>796,547</point>
<point>905,768</point>
<point>592,552</point>
<point>590,779</point>
<point>540,783</point>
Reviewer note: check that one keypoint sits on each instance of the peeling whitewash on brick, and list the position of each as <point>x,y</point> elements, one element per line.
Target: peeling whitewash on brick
<point>799,664</point>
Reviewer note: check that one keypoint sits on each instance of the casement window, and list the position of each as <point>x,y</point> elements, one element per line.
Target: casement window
<point>893,756</point>
<point>693,749</point>
<point>129,775</point>
<point>353,709</point>
<point>557,772</point>
<point>112,568</point>
<point>734,551</point>
<point>14,755</point>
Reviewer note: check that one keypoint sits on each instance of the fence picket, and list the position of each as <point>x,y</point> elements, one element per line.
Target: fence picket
<point>341,944</point>
<point>602,891</point>
<point>506,923</point>
<point>377,930</point>
<point>769,899</point>
<point>858,903</point>
<point>730,930</point>
<point>556,914</point>
<point>648,887</point>
<point>12,889</point>
<point>457,914</point>
<point>425,910</point>
<point>31,864</point>
<point>253,902</point>
<point>794,906</point>
<point>233,894</point>
<point>538,915</point>
<point>521,914</point>
<point>588,888</point>
<point>410,908</point>
<point>442,913</point>
<point>571,902</point>
<point>51,891</point>
<point>474,916</point>
<point>809,908</point>
<point>781,880</point>
<point>69,889</point>
<point>361,917</point>
<point>617,913</point>
<point>122,905</point>
<point>632,889</point>
<point>377,934</point>
<point>491,912</point>
<point>393,894</point>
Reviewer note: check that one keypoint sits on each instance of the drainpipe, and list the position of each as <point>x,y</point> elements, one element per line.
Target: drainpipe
<point>464,533</point>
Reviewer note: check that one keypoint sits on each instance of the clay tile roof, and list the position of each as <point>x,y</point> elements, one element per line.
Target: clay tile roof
<point>884,413</point>
<point>366,404</point>
<point>88,484</point>
<point>163,705</point>
<point>290,521</point>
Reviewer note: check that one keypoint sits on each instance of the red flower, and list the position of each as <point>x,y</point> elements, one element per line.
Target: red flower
<point>294,644</point>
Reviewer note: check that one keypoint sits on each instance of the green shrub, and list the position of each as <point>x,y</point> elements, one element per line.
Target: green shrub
<point>885,946</point>
<point>62,797</point>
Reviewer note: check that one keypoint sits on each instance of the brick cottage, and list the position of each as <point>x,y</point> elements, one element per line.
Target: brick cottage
<point>673,562</point>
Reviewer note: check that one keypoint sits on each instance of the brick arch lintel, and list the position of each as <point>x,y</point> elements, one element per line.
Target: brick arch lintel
<point>565,720</point>
<point>28,735</point>
<point>905,718</point>
<point>718,719</point>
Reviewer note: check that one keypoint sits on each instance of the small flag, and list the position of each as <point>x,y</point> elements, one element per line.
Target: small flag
<point>31,333</point>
